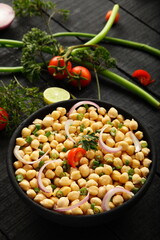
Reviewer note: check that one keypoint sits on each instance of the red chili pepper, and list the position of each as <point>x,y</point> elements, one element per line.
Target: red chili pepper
<point>143,76</point>
<point>75,155</point>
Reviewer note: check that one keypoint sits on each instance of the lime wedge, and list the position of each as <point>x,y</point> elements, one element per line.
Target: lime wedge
<point>55,94</point>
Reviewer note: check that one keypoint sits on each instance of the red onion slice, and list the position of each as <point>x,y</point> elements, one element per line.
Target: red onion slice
<point>109,195</point>
<point>104,146</point>
<point>7,15</point>
<point>73,206</point>
<point>82,103</point>
<point>18,156</point>
<point>39,178</point>
<point>67,124</point>
<point>135,141</point>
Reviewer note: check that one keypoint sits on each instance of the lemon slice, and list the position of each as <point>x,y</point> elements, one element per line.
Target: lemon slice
<point>55,94</point>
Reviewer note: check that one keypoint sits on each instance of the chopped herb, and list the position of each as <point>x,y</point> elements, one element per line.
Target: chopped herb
<point>29,139</point>
<point>95,164</point>
<point>83,191</point>
<point>36,189</point>
<point>41,153</point>
<point>89,141</point>
<point>135,190</point>
<point>47,134</point>
<point>53,186</point>
<point>113,132</point>
<point>19,177</point>
<point>86,106</point>
<point>130,173</point>
<point>37,127</point>
<point>40,165</point>
<point>66,167</point>
<point>59,194</point>
<point>54,156</point>
<point>80,116</point>
<point>95,209</point>
<point>64,149</point>
<point>143,180</point>
<point>120,125</point>
<point>127,162</point>
<point>82,128</point>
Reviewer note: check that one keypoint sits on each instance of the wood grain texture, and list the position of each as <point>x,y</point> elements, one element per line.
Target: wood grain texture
<point>138,22</point>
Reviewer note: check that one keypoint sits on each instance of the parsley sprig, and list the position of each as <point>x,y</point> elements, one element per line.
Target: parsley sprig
<point>89,141</point>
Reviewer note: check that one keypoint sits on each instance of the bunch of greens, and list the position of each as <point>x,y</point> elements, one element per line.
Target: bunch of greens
<point>19,102</point>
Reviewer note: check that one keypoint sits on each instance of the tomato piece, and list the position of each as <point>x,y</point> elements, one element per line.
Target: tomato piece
<point>75,155</point>
<point>108,14</point>
<point>83,74</point>
<point>143,76</point>
<point>3,118</point>
<point>56,67</point>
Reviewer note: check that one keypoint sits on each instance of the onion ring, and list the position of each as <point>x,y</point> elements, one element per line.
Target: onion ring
<point>67,124</point>
<point>135,141</point>
<point>81,103</point>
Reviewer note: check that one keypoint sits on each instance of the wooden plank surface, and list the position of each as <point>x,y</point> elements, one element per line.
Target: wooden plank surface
<point>17,221</point>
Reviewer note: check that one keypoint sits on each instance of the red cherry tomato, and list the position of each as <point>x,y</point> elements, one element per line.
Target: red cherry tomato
<point>3,118</point>
<point>84,76</point>
<point>143,76</point>
<point>108,14</point>
<point>75,155</point>
<point>56,66</point>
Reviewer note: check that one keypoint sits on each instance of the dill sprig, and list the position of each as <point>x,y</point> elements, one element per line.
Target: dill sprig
<point>19,101</point>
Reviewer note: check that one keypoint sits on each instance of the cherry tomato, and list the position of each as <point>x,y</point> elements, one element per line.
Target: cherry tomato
<point>75,155</point>
<point>84,76</point>
<point>56,65</point>
<point>3,118</point>
<point>108,14</point>
<point>143,76</point>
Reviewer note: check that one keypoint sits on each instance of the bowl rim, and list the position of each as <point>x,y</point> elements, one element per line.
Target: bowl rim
<point>48,109</point>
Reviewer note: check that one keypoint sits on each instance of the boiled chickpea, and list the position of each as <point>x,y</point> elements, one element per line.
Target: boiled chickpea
<point>26,132</point>
<point>48,203</point>
<point>84,170</point>
<point>63,202</point>
<point>113,113</point>
<point>73,195</point>
<point>20,141</point>
<point>31,193</point>
<point>117,200</point>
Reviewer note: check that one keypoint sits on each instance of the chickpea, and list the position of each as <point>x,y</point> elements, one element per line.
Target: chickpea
<point>18,164</point>
<point>133,125</point>
<point>146,162</point>
<point>74,186</point>
<point>75,175</point>
<point>97,201</point>
<point>117,200</point>
<point>53,144</point>
<point>34,183</point>
<point>81,182</point>
<point>84,170</point>
<point>60,138</point>
<point>94,176</point>
<point>135,163</point>
<point>73,195</point>
<point>99,170</point>
<point>34,155</point>
<point>144,171</point>
<point>21,171</point>
<point>119,136</point>
<point>61,110</point>
<point>55,114</point>
<point>84,207</point>
<point>124,177</point>
<point>110,142</point>
<point>93,190</point>
<point>107,169</point>
<point>145,151</point>
<point>83,160</point>
<point>102,191</point>
<point>139,156</point>
<point>68,144</point>
<point>77,211</point>
<point>113,113</point>
<point>27,150</point>
<point>115,175</point>
<point>129,185</point>
<point>123,144</point>
<point>24,184</point>
<point>47,121</point>
<point>91,182</point>
<point>49,174</point>
<point>65,190</point>
<point>139,134</point>
<point>48,203</point>
<point>65,181</point>
<point>31,193</point>
<point>102,111</point>
<point>104,180</point>
<point>63,202</point>
<point>57,126</point>
<point>30,174</point>
<point>42,138</point>
<point>39,197</point>
<point>136,178</point>
<point>35,144</point>
<point>58,171</point>
<point>117,162</point>
<point>20,141</point>
<point>26,132</point>
<point>130,150</point>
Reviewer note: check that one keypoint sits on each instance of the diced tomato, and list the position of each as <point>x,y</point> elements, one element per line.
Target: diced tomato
<point>75,155</point>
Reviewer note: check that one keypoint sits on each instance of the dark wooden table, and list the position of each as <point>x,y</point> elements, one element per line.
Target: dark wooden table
<point>139,21</point>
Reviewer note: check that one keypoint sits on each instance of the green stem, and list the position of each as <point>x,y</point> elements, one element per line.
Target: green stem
<point>11,69</point>
<point>123,82</point>
<point>10,43</point>
<point>117,41</point>
<point>100,36</point>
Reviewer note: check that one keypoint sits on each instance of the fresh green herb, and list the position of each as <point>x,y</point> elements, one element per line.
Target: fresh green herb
<point>54,156</point>
<point>19,101</point>
<point>83,191</point>
<point>66,167</point>
<point>89,141</point>
<point>37,127</point>
<point>41,163</point>
<point>82,127</point>
<point>47,134</point>
<point>135,190</point>
<point>120,125</point>
<point>36,189</point>
<point>19,177</point>
<point>64,149</point>
<point>80,116</point>
<point>59,194</point>
<point>29,139</point>
<point>113,132</point>
<point>41,153</point>
<point>130,173</point>
<point>53,186</point>
<point>143,180</point>
<point>95,209</point>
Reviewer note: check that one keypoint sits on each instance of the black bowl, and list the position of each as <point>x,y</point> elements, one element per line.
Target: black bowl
<point>71,219</point>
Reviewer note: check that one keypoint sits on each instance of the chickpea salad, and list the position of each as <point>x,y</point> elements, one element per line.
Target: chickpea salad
<point>82,162</point>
